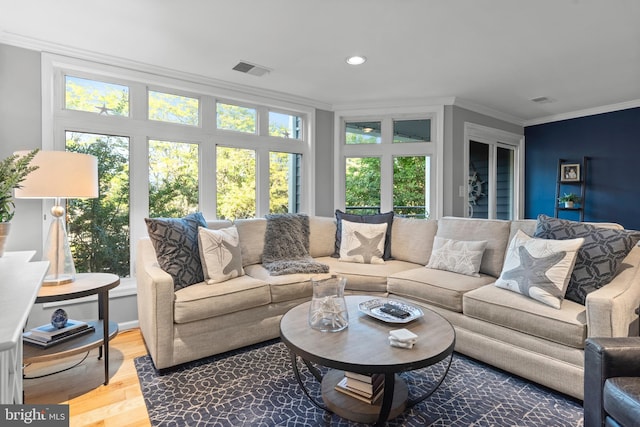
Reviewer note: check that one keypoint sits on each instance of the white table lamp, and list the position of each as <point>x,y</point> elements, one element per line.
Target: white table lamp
<point>60,175</point>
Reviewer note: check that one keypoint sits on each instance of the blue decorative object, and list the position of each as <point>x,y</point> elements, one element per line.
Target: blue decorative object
<point>59,318</point>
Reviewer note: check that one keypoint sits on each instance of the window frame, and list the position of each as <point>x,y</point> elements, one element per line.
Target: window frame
<point>56,120</point>
<point>387,150</point>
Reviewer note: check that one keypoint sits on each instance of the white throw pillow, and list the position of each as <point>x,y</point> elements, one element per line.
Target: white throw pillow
<point>362,242</point>
<point>539,268</point>
<point>220,254</point>
<point>457,256</point>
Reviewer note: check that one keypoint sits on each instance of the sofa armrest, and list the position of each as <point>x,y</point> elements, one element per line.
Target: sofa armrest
<point>155,305</point>
<point>605,358</point>
<point>611,310</point>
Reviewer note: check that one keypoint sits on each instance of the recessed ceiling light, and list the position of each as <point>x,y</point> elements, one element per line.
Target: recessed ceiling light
<point>356,60</point>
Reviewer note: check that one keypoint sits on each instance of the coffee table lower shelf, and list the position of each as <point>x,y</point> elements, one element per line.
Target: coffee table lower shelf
<point>353,409</point>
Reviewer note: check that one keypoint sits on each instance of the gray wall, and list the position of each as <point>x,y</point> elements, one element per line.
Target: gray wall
<point>324,163</point>
<point>455,118</point>
<point>21,129</point>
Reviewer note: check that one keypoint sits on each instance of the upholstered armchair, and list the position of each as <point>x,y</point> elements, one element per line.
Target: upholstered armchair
<point>612,382</point>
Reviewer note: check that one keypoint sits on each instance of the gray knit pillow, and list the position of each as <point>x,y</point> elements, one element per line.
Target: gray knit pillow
<point>598,258</point>
<point>176,243</point>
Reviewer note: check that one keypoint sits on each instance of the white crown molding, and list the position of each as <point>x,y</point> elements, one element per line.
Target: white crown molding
<point>54,48</point>
<point>481,109</point>
<point>583,113</point>
<point>394,103</point>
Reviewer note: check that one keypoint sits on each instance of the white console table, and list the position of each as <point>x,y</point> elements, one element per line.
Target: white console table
<point>20,281</point>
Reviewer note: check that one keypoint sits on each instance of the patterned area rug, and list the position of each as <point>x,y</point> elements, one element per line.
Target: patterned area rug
<point>255,386</point>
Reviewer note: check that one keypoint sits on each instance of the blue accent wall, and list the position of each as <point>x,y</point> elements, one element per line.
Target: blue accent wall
<point>612,141</point>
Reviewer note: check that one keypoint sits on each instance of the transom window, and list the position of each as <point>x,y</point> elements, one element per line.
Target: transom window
<point>96,96</point>
<point>166,107</point>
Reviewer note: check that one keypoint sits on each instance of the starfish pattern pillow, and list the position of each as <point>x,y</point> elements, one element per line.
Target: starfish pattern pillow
<point>362,242</point>
<point>539,268</point>
<point>220,253</point>
<point>457,256</point>
<point>599,258</point>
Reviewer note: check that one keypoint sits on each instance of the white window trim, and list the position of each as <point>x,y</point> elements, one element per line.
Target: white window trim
<point>496,138</point>
<point>56,120</point>
<point>434,149</point>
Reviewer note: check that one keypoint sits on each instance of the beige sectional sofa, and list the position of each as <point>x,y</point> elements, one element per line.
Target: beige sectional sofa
<point>497,326</point>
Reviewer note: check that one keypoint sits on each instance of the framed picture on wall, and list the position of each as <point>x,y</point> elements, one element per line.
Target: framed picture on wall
<point>570,172</point>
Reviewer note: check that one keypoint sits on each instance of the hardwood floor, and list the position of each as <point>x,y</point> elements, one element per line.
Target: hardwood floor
<point>91,403</point>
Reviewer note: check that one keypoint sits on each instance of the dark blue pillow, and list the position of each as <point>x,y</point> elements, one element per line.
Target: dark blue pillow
<point>598,258</point>
<point>176,243</point>
<point>368,219</point>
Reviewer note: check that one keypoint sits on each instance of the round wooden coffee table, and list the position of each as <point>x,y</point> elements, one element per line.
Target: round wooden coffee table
<point>364,348</point>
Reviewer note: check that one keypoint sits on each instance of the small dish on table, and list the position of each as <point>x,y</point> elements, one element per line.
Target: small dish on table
<point>384,309</point>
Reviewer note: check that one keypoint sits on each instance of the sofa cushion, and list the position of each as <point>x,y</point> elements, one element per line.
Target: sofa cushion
<point>599,257</point>
<point>528,226</point>
<point>518,312</point>
<point>220,254</point>
<point>539,268</point>
<point>368,219</point>
<point>251,232</point>
<point>175,241</point>
<point>457,256</point>
<point>494,231</point>
<point>363,243</point>
<point>412,239</point>
<point>287,287</point>
<point>322,236</point>
<point>201,301</point>
<point>437,287</point>
<point>366,277</point>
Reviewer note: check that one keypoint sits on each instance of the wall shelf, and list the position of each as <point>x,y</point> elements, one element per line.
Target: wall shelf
<point>571,184</point>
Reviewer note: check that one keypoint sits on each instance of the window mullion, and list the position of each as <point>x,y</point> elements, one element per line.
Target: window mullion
<point>262,182</point>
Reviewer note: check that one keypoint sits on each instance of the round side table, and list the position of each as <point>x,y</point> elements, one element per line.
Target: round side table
<point>86,284</point>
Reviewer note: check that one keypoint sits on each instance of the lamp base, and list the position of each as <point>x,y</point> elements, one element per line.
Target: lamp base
<point>60,280</point>
<point>58,251</point>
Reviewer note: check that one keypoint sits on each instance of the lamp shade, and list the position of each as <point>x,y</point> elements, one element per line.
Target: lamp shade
<point>60,174</point>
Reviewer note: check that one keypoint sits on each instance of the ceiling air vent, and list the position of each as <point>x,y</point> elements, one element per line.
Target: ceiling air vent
<point>253,69</point>
<point>543,100</point>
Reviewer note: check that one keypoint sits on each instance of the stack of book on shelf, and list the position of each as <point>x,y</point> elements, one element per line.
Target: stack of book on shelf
<point>365,387</point>
<point>48,335</point>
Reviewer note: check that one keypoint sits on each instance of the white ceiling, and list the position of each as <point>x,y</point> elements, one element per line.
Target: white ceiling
<point>499,54</point>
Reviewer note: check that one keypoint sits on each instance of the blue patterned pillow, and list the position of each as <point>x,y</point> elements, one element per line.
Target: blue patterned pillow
<point>598,258</point>
<point>176,243</point>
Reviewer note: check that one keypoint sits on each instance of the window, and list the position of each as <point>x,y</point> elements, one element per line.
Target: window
<point>173,179</point>
<point>388,165</point>
<point>362,185</point>
<point>237,118</point>
<point>411,131</point>
<point>363,133</point>
<point>236,178</point>
<point>410,185</point>
<point>284,182</point>
<point>166,107</point>
<point>96,97</point>
<point>285,125</point>
<point>99,228</point>
<point>170,151</point>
